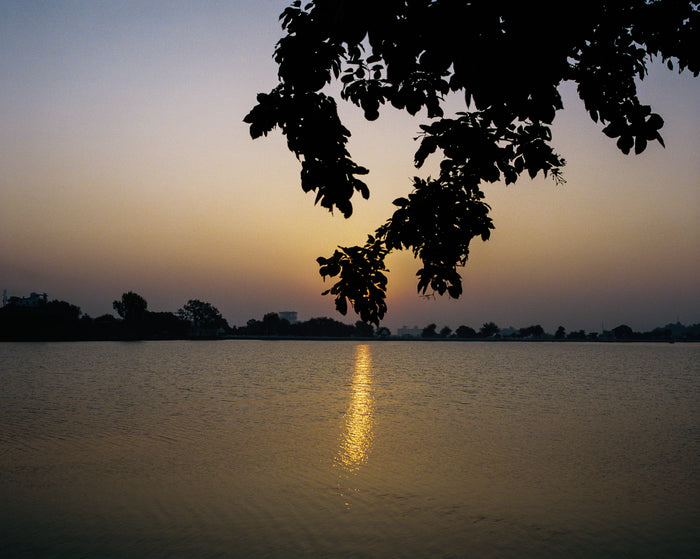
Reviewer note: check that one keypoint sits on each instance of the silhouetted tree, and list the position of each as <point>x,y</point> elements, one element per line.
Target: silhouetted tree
<point>323,327</point>
<point>253,328</point>
<point>507,60</point>
<point>445,332</point>
<point>383,332</point>
<point>560,334</point>
<point>535,331</point>
<point>131,307</point>
<point>204,318</point>
<point>576,335</point>
<point>429,331</point>
<point>692,332</point>
<point>364,329</point>
<point>623,332</point>
<point>273,325</point>
<point>200,314</point>
<point>488,329</point>
<point>465,332</point>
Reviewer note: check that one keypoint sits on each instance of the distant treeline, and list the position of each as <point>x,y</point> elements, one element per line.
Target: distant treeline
<point>61,321</point>
<point>37,319</point>
<point>489,330</point>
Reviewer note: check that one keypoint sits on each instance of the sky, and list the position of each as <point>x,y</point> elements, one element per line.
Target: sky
<point>125,165</point>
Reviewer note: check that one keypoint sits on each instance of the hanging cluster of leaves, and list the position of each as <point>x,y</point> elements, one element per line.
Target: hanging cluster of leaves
<point>507,59</point>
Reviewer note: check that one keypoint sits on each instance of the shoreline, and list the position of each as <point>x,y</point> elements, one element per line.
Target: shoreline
<point>348,339</point>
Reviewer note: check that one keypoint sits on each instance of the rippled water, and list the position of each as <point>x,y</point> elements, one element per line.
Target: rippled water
<point>345,449</point>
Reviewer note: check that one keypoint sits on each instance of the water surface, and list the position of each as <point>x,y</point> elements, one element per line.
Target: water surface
<point>345,449</point>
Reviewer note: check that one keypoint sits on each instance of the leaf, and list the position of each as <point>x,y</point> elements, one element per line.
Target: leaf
<point>427,146</point>
<point>439,285</point>
<point>423,281</point>
<point>519,164</point>
<point>547,113</point>
<point>612,130</point>
<point>510,175</point>
<point>625,143</point>
<point>655,122</point>
<point>640,144</point>
<point>454,291</point>
<point>341,305</point>
<point>362,187</point>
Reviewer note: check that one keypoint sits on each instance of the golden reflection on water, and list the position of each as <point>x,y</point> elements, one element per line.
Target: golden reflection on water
<point>356,441</point>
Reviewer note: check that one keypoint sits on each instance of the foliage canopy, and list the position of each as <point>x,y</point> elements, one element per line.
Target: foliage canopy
<point>507,59</point>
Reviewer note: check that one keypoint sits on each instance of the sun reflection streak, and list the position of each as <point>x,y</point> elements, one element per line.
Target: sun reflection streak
<point>356,441</point>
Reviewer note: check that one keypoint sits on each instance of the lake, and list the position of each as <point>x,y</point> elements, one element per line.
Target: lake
<point>280,449</point>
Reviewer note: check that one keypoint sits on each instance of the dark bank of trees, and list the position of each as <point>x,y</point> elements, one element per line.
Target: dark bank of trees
<point>622,333</point>
<point>51,320</point>
<point>488,330</point>
<point>37,319</point>
<point>59,320</point>
<point>272,325</point>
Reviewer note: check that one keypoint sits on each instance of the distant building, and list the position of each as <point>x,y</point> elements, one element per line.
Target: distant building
<point>34,300</point>
<point>289,316</point>
<point>406,332</point>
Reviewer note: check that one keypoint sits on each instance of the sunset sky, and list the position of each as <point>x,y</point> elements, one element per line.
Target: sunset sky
<point>125,165</point>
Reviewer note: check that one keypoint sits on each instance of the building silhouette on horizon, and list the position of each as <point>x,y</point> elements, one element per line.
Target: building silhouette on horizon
<point>34,300</point>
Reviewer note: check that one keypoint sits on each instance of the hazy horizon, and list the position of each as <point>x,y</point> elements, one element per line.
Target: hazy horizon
<point>126,166</point>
